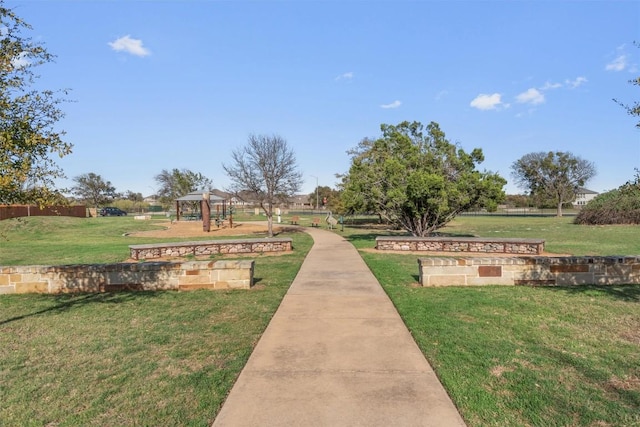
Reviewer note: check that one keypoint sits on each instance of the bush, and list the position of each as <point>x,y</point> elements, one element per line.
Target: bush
<point>619,206</point>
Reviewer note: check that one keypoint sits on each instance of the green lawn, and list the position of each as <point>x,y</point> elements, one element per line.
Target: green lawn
<point>130,358</point>
<point>66,240</point>
<point>508,356</point>
<point>521,356</point>
<point>560,234</point>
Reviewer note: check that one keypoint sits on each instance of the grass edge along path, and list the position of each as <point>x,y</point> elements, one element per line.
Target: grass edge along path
<point>134,358</point>
<point>555,356</point>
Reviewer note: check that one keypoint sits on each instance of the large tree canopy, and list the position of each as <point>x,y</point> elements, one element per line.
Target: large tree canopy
<point>177,183</point>
<point>415,180</point>
<point>94,190</point>
<point>325,197</point>
<point>266,169</point>
<point>28,138</point>
<point>552,176</point>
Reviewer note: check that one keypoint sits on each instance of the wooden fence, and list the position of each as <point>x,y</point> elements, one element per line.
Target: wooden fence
<point>16,211</point>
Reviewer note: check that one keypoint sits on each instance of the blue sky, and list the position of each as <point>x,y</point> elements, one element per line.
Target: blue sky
<point>180,84</point>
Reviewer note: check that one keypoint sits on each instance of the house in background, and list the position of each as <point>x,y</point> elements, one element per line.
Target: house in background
<point>583,196</point>
<point>299,201</point>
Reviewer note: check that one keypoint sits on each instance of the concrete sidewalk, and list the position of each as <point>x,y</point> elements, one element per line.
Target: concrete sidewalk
<point>336,353</point>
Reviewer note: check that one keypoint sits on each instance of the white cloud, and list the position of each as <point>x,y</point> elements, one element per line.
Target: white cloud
<point>129,45</point>
<point>487,102</point>
<point>394,104</point>
<point>618,64</point>
<point>549,85</point>
<point>345,76</point>
<point>531,96</point>
<point>578,81</point>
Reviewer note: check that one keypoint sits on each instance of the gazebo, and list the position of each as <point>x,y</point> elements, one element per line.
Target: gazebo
<point>196,198</point>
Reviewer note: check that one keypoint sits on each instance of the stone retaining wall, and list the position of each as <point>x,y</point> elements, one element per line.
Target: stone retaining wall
<point>210,247</point>
<point>149,276</point>
<point>533,271</point>
<point>460,244</point>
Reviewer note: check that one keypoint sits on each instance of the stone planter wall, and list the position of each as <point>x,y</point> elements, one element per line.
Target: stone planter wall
<point>460,244</point>
<point>532,271</point>
<point>151,276</point>
<point>210,247</point>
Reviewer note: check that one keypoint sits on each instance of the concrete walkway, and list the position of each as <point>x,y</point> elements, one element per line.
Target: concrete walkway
<point>336,353</point>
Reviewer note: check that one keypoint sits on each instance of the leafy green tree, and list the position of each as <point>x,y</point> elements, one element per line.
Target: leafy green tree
<point>552,176</point>
<point>415,180</point>
<point>267,170</point>
<point>177,183</point>
<point>518,201</point>
<point>134,199</point>
<point>93,190</point>
<point>28,138</point>
<point>327,198</point>
<point>133,196</point>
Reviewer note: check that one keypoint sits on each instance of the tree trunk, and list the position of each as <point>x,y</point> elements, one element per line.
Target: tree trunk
<point>269,224</point>
<point>559,210</point>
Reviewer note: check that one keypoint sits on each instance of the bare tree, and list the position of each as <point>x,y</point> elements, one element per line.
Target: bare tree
<point>266,169</point>
<point>553,176</point>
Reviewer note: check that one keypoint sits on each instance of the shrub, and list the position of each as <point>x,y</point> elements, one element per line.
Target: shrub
<point>619,206</point>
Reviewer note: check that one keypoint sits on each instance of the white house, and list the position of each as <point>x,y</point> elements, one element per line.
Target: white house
<point>583,196</point>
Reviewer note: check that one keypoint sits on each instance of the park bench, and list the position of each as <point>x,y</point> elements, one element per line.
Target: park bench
<point>191,217</point>
<point>315,222</point>
<point>295,220</point>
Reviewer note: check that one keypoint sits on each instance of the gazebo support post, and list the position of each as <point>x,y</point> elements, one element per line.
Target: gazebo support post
<point>205,208</point>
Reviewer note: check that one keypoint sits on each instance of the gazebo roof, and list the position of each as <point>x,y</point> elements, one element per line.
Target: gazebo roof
<point>196,196</point>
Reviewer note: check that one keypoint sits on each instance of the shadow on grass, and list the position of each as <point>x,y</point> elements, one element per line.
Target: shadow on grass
<point>629,293</point>
<point>67,302</point>
<point>565,359</point>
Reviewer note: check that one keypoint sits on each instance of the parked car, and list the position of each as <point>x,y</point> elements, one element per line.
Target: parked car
<point>112,212</point>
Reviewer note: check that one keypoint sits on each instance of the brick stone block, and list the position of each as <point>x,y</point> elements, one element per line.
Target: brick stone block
<point>194,280</point>
<point>575,279</point>
<point>624,273</point>
<point>569,268</point>
<point>194,287</point>
<point>7,290</point>
<point>531,273</point>
<point>32,287</point>
<point>222,285</point>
